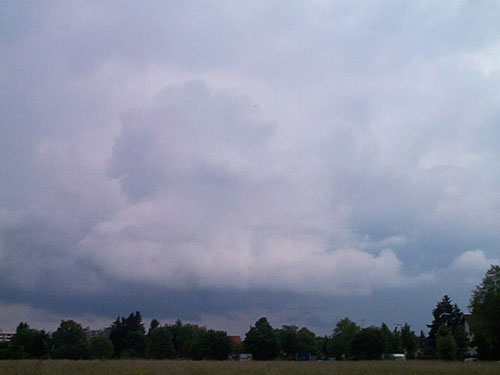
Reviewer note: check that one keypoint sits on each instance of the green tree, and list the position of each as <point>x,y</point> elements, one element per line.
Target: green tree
<point>69,341</point>
<point>5,352</point>
<point>422,346</point>
<point>262,341</point>
<point>293,341</point>
<point>100,347</point>
<point>387,336</point>
<point>128,333</point>
<point>160,344</point>
<point>134,322</point>
<point>322,345</point>
<point>396,342</point>
<point>11,351</point>
<point>154,324</point>
<point>485,309</point>
<point>342,337</point>
<point>446,345</point>
<point>288,339</point>
<point>29,343</point>
<point>368,344</point>
<point>408,341</point>
<point>215,345</point>
<point>445,313</point>
<point>135,345</point>
<point>118,332</point>
<point>187,340</point>
<point>306,342</point>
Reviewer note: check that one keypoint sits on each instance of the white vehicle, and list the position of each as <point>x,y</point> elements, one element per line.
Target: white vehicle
<point>398,357</point>
<point>245,357</point>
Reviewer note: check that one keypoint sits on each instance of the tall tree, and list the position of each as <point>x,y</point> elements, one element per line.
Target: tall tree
<point>306,342</point>
<point>69,341</point>
<point>215,345</point>
<point>117,335</point>
<point>387,336</point>
<point>422,345</point>
<point>160,343</point>
<point>100,347</point>
<point>447,314</point>
<point>187,339</point>
<point>262,340</point>
<point>135,345</point>
<point>128,334</point>
<point>154,324</point>
<point>134,322</point>
<point>288,339</point>
<point>322,345</point>
<point>408,341</point>
<point>29,343</point>
<point>342,337</point>
<point>445,344</point>
<point>396,342</point>
<point>368,344</point>
<point>485,309</point>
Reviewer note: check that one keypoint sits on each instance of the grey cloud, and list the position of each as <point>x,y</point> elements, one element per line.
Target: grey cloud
<point>316,136</point>
<point>218,212</point>
<point>190,138</point>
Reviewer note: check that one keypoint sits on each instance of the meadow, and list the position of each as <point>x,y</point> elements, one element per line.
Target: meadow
<point>144,367</point>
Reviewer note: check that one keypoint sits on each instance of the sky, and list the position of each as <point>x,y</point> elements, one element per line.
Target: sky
<point>221,161</point>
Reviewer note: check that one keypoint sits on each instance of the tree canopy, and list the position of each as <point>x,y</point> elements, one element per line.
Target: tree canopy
<point>69,341</point>
<point>342,337</point>
<point>368,344</point>
<point>447,314</point>
<point>485,309</point>
<point>262,341</point>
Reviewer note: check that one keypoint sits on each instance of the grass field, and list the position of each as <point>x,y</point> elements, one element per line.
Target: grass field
<point>141,367</point>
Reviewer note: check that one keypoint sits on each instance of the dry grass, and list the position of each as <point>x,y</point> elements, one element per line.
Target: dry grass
<point>141,367</point>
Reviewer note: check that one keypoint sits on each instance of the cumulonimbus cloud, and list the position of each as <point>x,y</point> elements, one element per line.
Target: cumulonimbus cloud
<point>212,204</point>
<point>363,149</point>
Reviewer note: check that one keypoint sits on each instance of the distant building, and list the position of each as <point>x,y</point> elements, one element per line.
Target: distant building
<point>6,336</point>
<point>236,341</point>
<point>467,325</point>
<point>236,347</point>
<point>91,333</point>
<point>471,350</point>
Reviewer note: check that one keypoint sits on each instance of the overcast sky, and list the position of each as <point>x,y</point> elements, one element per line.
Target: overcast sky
<point>221,161</point>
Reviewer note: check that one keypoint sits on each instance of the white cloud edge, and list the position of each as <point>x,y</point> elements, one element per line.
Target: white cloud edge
<point>473,260</point>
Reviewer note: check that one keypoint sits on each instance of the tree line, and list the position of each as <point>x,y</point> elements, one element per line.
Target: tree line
<point>127,337</point>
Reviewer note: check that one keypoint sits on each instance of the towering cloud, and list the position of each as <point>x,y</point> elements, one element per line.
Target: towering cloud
<point>213,203</point>
<point>264,153</point>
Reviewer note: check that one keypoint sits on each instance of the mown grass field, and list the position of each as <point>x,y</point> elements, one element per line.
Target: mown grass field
<point>142,367</point>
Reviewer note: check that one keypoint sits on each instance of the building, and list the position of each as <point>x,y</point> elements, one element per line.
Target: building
<point>467,325</point>
<point>89,334</point>
<point>236,347</point>
<point>471,350</point>
<point>6,336</point>
<point>236,341</point>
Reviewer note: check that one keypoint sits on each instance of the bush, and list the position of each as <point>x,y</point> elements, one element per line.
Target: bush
<point>446,345</point>
<point>100,348</point>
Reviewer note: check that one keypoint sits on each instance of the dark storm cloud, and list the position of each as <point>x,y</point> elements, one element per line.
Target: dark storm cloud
<point>266,153</point>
